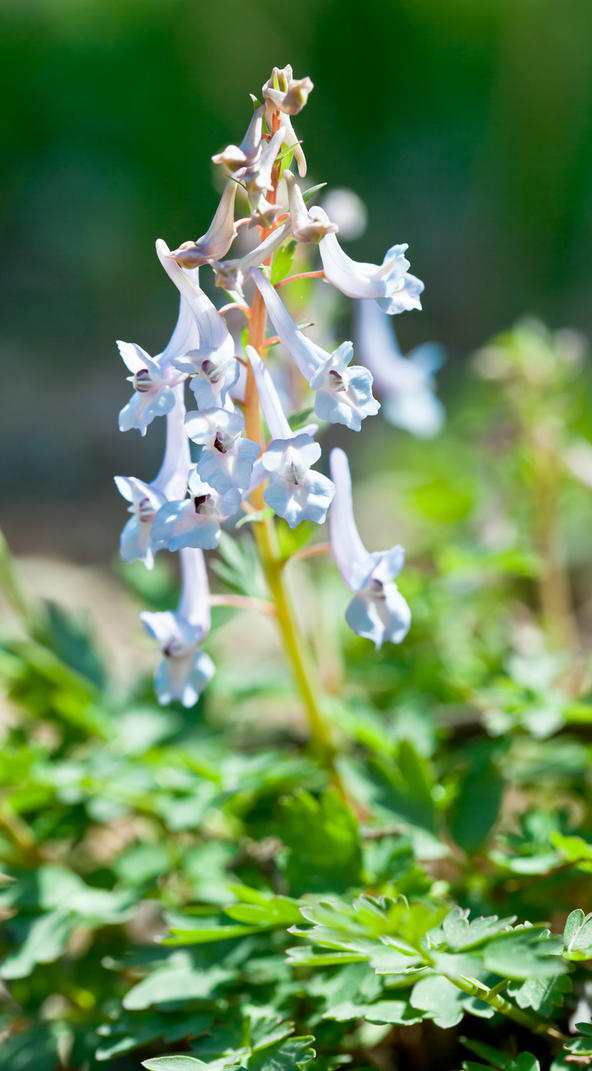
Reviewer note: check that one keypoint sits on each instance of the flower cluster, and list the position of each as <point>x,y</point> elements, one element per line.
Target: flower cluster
<point>238,466</point>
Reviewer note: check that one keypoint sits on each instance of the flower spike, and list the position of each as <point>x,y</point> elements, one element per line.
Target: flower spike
<point>378,611</point>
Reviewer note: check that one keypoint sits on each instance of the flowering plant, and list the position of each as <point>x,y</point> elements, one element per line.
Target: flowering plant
<point>257,455</point>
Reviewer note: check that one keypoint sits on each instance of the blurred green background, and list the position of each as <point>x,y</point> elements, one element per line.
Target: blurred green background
<point>465,125</point>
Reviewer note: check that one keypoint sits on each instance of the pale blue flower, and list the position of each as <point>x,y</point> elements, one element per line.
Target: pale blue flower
<point>135,543</point>
<point>227,459</point>
<point>344,392</point>
<point>210,360</point>
<point>377,611</point>
<point>184,670</point>
<point>152,383</point>
<point>389,283</point>
<point>218,238</point>
<point>146,499</point>
<point>294,490</point>
<point>406,383</point>
<point>194,521</point>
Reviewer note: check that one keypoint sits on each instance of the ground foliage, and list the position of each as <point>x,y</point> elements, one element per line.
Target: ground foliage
<point>191,889</point>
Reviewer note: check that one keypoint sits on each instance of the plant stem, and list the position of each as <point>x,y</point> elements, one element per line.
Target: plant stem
<point>530,1020</point>
<point>272,561</point>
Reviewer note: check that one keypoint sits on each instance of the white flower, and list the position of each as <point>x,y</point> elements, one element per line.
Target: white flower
<point>194,521</point>
<point>405,383</point>
<point>378,611</point>
<point>211,357</point>
<point>307,225</point>
<point>185,669</point>
<point>238,158</point>
<point>152,382</point>
<point>389,283</point>
<point>344,391</point>
<point>294,490</point>
<point>146,499</point>
<point>227,459</point>
<point>218,238</point>
<point>286,93</point>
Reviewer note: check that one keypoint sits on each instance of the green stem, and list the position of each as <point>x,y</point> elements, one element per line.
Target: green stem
<point>530,1020</point>
<point>294,644</point>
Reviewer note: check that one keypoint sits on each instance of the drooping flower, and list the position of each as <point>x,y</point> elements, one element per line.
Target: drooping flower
<point>377,611</point>
<point>238,158</point>
<point>184,670</point>
<point>227,458</point>
<point>147,498</point>
<point>218,238</point>
<point>194,521</point>
<point>406,383</point>
<point>344,391</point>
<point>307,224</point>
<point>389,283</point>
<point>294,490</point>
<point>210,359</point>
<point>152,382</point>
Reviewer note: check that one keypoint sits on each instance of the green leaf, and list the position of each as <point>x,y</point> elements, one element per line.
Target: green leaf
<point>45,940</point>
<point>461,933</point>
<point>282,262</point>
<point>440,999</point>
<point>577,935</point>
<point>322,841</point>
<point>525,953</point>
<point>175,984</point>
<point>174,1063</point>
<point>383,1011</point>
<point>582,1045</point>
<point>541,994</point>
<point>574,850</point>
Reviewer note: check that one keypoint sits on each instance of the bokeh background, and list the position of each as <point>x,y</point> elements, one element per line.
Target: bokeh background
<point>466,126</point>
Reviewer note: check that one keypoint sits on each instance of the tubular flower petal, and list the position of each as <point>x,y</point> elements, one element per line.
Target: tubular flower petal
<point>218,238</point>
<point>147,498</point>
<point>211,356</point>
<point>257,179</point>
<point>237,158</point>
<point>307,225</point>
<point>389,283</point>
<point>263,213</point>
<point>194,521</point>
<point>227,459</point>
<point>344,394</point>
<point>286,93</point>
<point>378,611</point>
<point>406,383</point>
<point>185,670</point>
<point>231,274</point>
<point>294,491</point>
